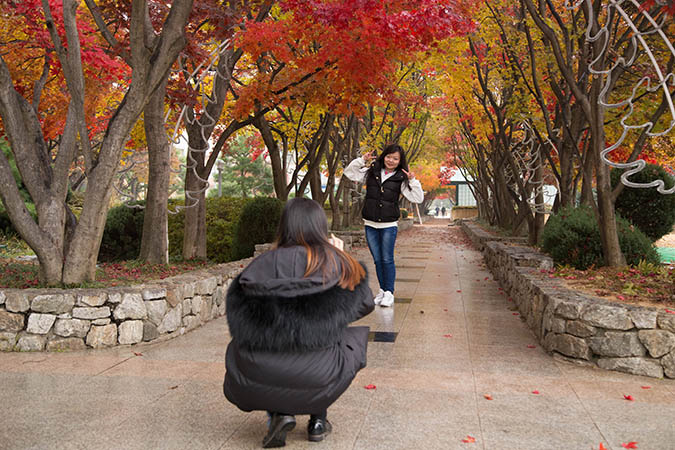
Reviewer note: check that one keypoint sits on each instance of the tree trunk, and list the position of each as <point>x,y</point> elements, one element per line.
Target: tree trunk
<point>72,260</point>
<point>588,177</point>
<point>606,215</point>
<point>155,239</point>
<point>315,186</point>
<point>194,236</point>
<point>278,172</point>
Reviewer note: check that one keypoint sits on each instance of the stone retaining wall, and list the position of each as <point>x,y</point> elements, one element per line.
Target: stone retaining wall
<point>578,327</point>
<point>75,319</point>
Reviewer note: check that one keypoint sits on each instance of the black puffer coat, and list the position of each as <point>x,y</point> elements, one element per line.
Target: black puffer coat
<point>291,350</point>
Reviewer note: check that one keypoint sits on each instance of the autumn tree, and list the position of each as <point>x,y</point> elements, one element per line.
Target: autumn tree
<point>610,51</point>
<point>335,55</point>
<point>71,48</point>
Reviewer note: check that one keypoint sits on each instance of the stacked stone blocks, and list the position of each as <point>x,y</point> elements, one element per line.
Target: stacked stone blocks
<point>578,327</point>
<point>76,319</point>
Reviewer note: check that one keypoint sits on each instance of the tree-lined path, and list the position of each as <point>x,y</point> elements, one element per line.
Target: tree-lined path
<point>450,363</point>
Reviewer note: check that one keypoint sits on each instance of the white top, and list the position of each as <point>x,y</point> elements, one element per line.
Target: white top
<point>357,170</point>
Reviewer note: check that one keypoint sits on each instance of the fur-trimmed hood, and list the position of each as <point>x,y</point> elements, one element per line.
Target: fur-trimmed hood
<point>281,273</point>
<point>288,313</point>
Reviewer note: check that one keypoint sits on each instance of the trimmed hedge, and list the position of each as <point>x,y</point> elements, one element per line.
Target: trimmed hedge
<point>258,224</point>
<point>222,215</point>
<point>653,213</point>
<point>572,237</point>
<point>124,229</point>
<point>122,234</point>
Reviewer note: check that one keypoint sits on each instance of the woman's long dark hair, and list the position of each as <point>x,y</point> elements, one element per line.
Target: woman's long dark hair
<point>303,222</point>
<point>379,162</point>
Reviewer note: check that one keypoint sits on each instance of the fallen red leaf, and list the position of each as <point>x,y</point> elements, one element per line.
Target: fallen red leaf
<point>447,335</point>
<point>628,397</point>
<point>138,354</point>
<point>646,387</point>
<point>531,346</point>
<point>516,314</point>
<point>535,392</point>
<point>670,312</point>
<point>370,386</point>
<point>602,447</point>
<point>469,439</point>
<point>487,396</point>
<point>445,309</point>
<point>459,290</point>
<point>631,444</point>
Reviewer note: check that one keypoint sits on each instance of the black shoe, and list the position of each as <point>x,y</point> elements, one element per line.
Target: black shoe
<point>318,429</point>
<point>280,424</point>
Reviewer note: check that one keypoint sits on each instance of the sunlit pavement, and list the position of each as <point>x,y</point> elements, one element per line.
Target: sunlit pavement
<point>452,365</point>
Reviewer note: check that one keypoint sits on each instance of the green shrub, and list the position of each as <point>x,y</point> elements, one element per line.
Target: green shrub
<point>572,237</point>
<point>404,213</point>
<point>122,234</point>
<point>222,215</point>
<point>653,213</point>
<point>124,230</point>
<point>257,225</point>
<point>176,230</point>
<point>6,226</point>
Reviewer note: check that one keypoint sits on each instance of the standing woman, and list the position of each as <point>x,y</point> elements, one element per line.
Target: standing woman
<point>386,179</point>
<point>292,351</point>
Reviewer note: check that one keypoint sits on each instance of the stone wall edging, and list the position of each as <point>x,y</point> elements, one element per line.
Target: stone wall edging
<point>577,327</point>
<point>77,319</point>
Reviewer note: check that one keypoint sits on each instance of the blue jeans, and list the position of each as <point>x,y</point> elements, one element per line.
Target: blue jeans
<point>381,244</point>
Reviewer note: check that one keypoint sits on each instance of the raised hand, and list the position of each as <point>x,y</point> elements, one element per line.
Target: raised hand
<point>336,242</point>
<point>409,174</point>
<point>367,157</point>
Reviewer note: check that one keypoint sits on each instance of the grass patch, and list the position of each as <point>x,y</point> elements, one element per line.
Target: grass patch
<point>13,246</point>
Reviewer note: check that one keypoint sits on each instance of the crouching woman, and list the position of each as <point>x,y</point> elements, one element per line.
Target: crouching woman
<point>292,351</point>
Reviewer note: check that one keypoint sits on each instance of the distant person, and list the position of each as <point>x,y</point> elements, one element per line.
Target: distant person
<point>437,211</point>
<point>386,179</point>
<point>292,351</point>
<point>443,211</point>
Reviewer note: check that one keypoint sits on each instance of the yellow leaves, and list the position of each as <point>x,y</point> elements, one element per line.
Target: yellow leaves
<point>427,172</point>
<point>137,136</point>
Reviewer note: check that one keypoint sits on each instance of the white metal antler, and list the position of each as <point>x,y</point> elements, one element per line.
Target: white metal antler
<point>664,82</point>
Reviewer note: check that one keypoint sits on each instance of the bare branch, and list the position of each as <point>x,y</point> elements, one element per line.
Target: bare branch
<point>40,84</point>
<point>105,32</point>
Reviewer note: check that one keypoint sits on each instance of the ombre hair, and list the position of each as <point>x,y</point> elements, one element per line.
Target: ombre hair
<point>303,222</point>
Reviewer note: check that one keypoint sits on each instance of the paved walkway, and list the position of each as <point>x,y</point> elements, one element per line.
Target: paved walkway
<point>455,339</point>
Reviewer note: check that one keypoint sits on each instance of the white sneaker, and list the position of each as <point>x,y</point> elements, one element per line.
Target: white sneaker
<point>378,297</point>
<point>387,299</point>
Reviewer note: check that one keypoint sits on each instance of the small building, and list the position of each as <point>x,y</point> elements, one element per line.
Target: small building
<point>463,195</point>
